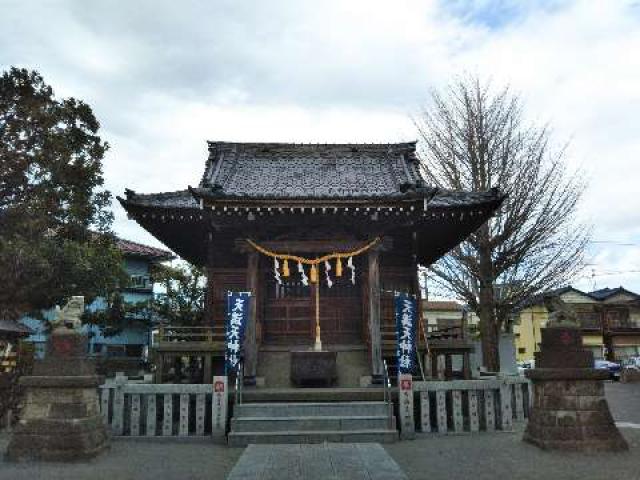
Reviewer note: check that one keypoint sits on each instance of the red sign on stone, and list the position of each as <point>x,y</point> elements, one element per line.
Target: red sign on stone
<point>218,387</point>
<point>405,384</point>
<point>566,338</point>
<point>63,346</point>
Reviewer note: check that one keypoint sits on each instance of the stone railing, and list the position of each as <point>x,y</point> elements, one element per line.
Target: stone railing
<point>472,405</point>
<point>159,410</point>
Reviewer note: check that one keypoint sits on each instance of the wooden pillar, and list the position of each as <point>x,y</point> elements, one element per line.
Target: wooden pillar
<point>374,315</point>
<point>250,339</point>
<point>448,367</point>
<point>207,370</point>
<point>466,366</point>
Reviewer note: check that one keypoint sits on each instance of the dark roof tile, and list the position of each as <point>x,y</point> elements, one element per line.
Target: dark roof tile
<point>128,247</point>
<point>288,170</point>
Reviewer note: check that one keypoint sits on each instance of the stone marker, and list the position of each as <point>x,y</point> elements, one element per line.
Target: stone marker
<point>61,420</point>
<point>405,406</point>
<point>219,405</point>
<point>569,410</point>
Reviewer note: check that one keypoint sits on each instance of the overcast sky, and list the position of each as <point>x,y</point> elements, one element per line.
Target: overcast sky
<point>165,76</point>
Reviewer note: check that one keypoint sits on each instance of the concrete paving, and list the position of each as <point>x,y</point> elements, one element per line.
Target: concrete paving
<point>326,461</point>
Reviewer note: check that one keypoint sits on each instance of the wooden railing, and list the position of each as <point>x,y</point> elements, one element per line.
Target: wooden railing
<point>472,405</point>
<point>189,334</point>
<point>157,410</point>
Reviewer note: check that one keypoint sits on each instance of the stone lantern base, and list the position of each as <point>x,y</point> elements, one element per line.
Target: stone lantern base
<point>570,412</point>
<point>61,418</point>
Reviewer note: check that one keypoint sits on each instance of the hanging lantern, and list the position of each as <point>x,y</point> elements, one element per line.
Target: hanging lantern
<point>313,275</point>
<point>285,268</point>
<point>338,267</point>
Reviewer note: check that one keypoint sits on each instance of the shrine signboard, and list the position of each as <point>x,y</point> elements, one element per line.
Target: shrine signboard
<point>237,314</point>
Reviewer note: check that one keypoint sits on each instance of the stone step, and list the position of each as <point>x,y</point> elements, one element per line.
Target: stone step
<point>242,439</point>
<point>311,409</point>
<point>312,423</point>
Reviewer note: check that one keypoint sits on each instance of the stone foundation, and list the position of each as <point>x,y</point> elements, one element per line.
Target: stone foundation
<point>570,411</point>
<point>61,419</point>
<point>571,414</point>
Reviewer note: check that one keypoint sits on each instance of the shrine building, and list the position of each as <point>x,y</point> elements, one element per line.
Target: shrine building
<point>321,235</point>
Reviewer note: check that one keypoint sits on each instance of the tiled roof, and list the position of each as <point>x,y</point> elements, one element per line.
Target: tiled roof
<point>14,328</point>
<point>605,293</point>
<point>179,199</point>
<point>443,305</point>
<point>128,247</point>
<point>288,170</point>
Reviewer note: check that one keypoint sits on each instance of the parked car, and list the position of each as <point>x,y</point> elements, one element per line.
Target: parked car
<point>525,365</point>
<point>613,368</point>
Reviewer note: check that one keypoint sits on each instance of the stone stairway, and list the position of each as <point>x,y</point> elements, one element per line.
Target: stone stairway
<point>312,422</point>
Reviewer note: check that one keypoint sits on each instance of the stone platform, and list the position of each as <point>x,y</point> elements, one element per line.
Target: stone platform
<point>61,418</point>
<point>570,411</point>
<point>327,461</point>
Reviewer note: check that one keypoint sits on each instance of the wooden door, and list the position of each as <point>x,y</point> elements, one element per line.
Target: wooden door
<point>289,311</point>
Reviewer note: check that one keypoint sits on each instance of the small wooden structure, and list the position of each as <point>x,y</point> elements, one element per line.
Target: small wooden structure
<point>310,200</point>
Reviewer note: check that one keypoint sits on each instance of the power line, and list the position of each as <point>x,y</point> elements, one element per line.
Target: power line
<point>615,242</point>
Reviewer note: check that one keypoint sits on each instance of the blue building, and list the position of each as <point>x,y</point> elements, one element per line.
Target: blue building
<point>131,341</point>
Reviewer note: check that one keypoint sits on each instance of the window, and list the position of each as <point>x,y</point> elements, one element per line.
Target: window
<point>140,281</point>
<point>522,350</point>
<point>133,350</point>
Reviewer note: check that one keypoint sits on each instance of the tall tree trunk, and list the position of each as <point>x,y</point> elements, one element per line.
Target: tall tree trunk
<point>489,327</point>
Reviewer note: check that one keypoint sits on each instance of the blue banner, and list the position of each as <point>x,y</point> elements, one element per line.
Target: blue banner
<point>406,320</point>
<point>237,314</point>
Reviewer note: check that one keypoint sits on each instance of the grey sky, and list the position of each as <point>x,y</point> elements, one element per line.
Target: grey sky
<point>163,77</point>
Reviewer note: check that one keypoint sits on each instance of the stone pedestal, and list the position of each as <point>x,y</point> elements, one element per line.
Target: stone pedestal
<point>569,411</point>
<point>61,419</point>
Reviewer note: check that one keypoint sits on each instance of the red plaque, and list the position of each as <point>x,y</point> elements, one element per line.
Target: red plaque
<point>218,387</point>
<point>405,384</point>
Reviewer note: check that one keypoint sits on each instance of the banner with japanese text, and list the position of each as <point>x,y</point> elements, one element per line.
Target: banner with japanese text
<point>237,314</point>
<point>406,320</point>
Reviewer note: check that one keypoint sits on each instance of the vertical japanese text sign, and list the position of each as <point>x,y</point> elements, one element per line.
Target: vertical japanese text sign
<point>406,330</point>
<point>237,313</point>
<point>219,407</point>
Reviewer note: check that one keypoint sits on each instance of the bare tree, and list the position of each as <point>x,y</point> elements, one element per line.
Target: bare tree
<point>475,139</point>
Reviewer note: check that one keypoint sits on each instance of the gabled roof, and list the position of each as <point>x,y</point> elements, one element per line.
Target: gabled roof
<point>10,327</point>
<point>539,298</point>
<point>605,293</point>
<point>134,249</point>
<point>442,305</point>
<point>291,170</point>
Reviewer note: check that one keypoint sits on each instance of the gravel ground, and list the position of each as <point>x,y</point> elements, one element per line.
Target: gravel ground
<point>481,456</point>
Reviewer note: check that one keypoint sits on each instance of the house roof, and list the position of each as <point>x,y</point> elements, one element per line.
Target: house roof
<point>605,293</point>
<point>127,247</point>
<point>442,305</point>
<point>290,170</point>
<point>598,295</point>
<point>539,298</point>
<point>10,327</point>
